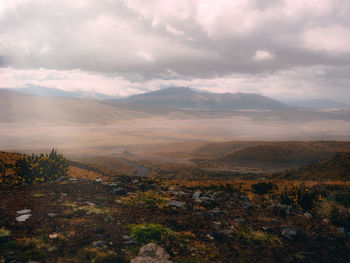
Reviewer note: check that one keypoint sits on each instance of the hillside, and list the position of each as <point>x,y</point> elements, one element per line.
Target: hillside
<point>336,168</point>
<point>289,151</point>
<point>269,155</point>
<point>181,97</point>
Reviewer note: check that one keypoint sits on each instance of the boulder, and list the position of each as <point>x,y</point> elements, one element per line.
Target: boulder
<point>152,253</point>
<point>289,233</point>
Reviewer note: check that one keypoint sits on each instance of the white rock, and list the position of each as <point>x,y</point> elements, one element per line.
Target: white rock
<point>23,218</point>
<point>24,211</point>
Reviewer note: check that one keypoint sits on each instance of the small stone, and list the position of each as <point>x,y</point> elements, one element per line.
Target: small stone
<point>53,236</point>
<point>240,221</point>
<point>247,204</point>
<point>325,221</point>
<point>341,230</point>
<point>131,243</point>
<point>99,180</point>
<point>307,215</point>
<point>228,232</point>
<point>268,229</point>
<point>289,233</point>
<point>100,243</point>
<point>113,185</point>
<point>119,191</point>
<point>216,212</point>
<point>182,194</point>
<point>176,204</point>
<point>23,218</point>
<point>218,236</point>
<point>52,215</point>
<point>24,211</point>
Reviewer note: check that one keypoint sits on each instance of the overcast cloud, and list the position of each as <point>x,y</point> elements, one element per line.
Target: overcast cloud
<point>286,49</point>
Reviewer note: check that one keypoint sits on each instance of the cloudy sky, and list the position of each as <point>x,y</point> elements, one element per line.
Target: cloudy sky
<point>285,49</point>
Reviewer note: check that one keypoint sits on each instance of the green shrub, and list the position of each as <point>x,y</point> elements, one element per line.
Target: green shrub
<point>39,168</point>
<point>343,198</point>
<point>263,188</point>
<point>146,233</point>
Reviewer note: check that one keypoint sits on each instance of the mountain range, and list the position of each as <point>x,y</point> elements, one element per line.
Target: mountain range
<point>56,106</point>
<point>186,98</point>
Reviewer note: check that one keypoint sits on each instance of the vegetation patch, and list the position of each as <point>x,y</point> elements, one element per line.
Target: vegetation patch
<point>146,233</point>
<point>145,199</point>
<point>302,197</point>
<point>255,236</point>
<point>263,187</point>
<point>37,169</point>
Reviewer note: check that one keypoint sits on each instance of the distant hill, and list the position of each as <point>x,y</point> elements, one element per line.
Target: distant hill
<point>186,98</point>
<point>336,168</point>
<point>53,92</point>
<point>320,104</point>
<point>24,108</point>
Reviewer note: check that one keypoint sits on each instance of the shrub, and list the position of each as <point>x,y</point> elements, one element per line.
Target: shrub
<point>302,197</point>
<point>343,198</point>
<point>39,168</point>
<point>263,188</point>
<point>146,233</point>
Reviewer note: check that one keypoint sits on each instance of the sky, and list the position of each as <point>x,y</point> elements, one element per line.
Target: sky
<point>284,49</point>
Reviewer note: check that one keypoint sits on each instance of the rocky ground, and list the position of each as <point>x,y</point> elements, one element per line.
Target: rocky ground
<point>145,220</point>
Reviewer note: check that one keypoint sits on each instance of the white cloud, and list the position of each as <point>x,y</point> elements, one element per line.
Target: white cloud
<point>333,39</point>
<point>261,55</point>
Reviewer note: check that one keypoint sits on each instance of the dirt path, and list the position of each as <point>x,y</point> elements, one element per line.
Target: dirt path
<point>140,170</point>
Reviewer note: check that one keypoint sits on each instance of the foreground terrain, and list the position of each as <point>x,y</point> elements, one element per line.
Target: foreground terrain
<point>107,217</point>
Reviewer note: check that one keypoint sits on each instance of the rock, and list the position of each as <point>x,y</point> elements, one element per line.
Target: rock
<point>135,181</point>
<point>119,191</point>
<point>52,215</point>
<point>199,197</point>
<point>289,233</point>
<point>24,211</point>
<point>196,196</point>
<point>176,204</point>
<point>98,237</point>
<point>325,221</point>
<point>131,243</point>
<point>151,253</point>
<point>100,243</point>
<point>228,232</point>
<point>23,218</point>
<point>307,215</point>
<point>240,221</point>
<point>182,194</point>
<point>216,212</point>
<point>247,204</point>
<point>113,185</point>
<point>89,203</point>
<point>268,229</point>
<point>341,230</point>
<point>99,180</point>
<point>218,236</point>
